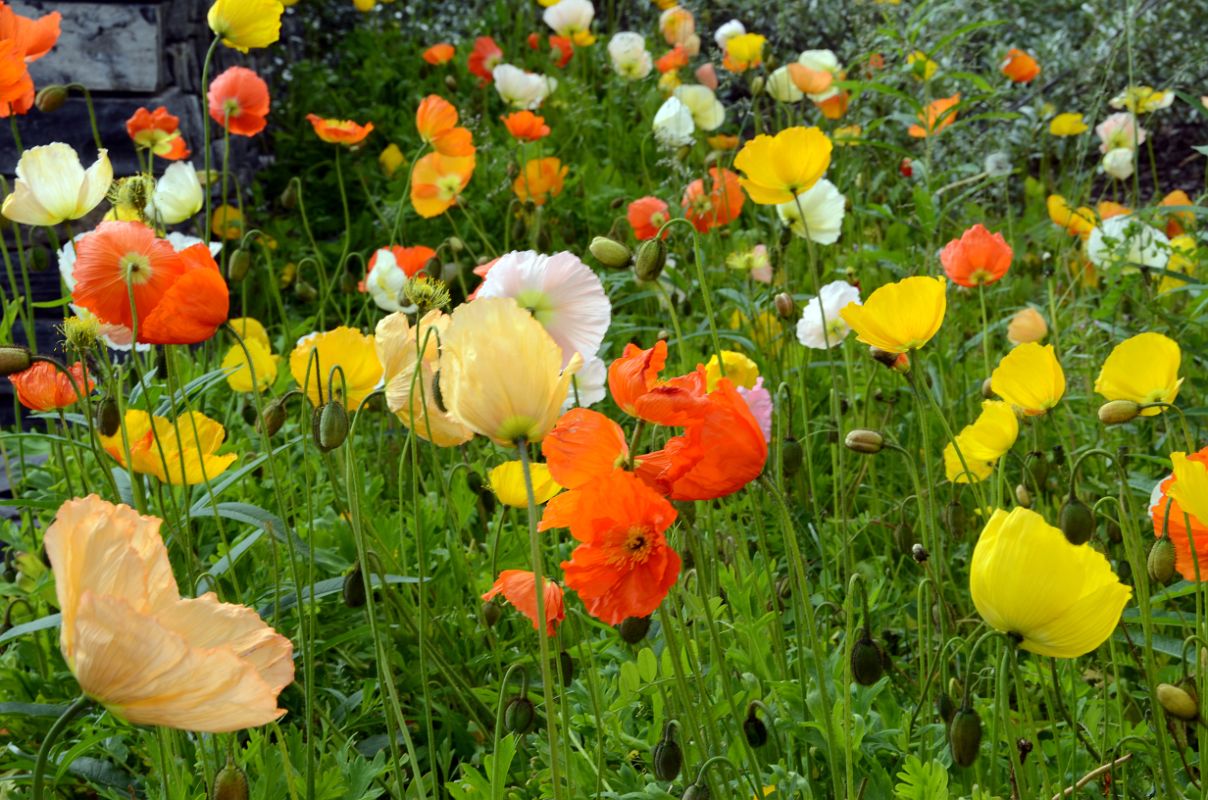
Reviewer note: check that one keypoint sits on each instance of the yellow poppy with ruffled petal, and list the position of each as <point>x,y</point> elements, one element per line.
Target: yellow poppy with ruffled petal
<point>982,443</point>
<point>1030,378</point>
<point>1068,124</point>
<point>780,167</point>
<point>183,451</point>
<point>1143,369</point>
<point>1190,487</point>
<point>900,316</point>
<point>962,467</point>
<point>507,482</point>
<point>264,364</point>
<point>1076,221</point>
<point>347,348</point>
<point>244,24</point>
<point>1182,262</point>
<point>1026,579</point>
<point>249,328</point>
<point>741,370</point>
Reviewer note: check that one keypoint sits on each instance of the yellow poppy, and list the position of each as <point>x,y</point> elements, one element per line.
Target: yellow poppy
<point>227,222</point>
<point>1182,261</point>
<point>900,316</point>
<point>848,135</point>
<point>1028,580</point>
<point>780,167</point>
<point>1068,124</point>
<point>1190,487</point>
<point>507,482</point>
<point>390,159</point>
<point>244,24</point>
<point>921,66</point>
<point>1144,369</point>
<point>264,363</point>
<point>982,443</point>
<point>157,449</point>
<point>347,348</point>
<point>1029,378</point>
<point>740,370</point>
<point>1077,222</point>
<point>250,328</point>
<point>744,51</point>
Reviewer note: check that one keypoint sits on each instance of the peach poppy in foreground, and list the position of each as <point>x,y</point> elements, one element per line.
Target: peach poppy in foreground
<point>239,99</point>
<point>409,355</point>
<point>977,258</point>
<point>525,126</point>
<point>900,316</point>
<point>159,132</point>
<point>439,54</point>
<point>137,647</point>
<point>541,179</point>
<point>938,114</point>
<point>339,131</point>
<point>1019,66</point>
<point>43,387</point>
<point>519,587</point>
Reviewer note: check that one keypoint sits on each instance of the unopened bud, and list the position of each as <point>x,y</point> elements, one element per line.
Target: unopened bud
<point>945,707</point>
<point>791,457</point>
<point>754,729</point>
<point>1077,520</point>
<point>1117,412</point>
<point>650,260</point>
<point>786,307</point>
<point>867,661</point>
<point>610,252</point>
<point>455,244</point>
<point>51,98</point>
<point>273,417</point>
<point>904,538</point>
<point>1177,703</point>
<point>919,553</point>
<point>13,359</point>
<point>757,84</point>
<point>898,362</point>
<point>239,265</point>
<point>354,587</point>
<point>451,83</point>
<point>964,737</point>
<point>305,292</point>
<point>1023,496</point>
<point>987,389</point>
<point>955,518</point>
<point>864,441</point>
<point>519,715</point>
<point>230,783</point>
<point>634,629</point>
<point>699,791</point>
<point>289,196</point>
<point>107,417</point>
<point>1160,563</point>
<point>329,425</point>
<point>667,757</point>
<point>491,612</point>
<point>564,666</point>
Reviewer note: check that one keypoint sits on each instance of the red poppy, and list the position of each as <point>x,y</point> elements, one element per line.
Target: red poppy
<point>159,132</point>
<point>563,47</point>
<point>525,126</point>
<point>633,380</point>
<point>646,215</point>
<point>1019,66</point>
<point>339,131</point>
<point>672,60</point>
<point>22,40</point>
<point>239,98</point>
<point>436,121</point>
<point>519,587</point>
<point>1175,522</point>
<point>485,56</point>
<point>623,566</point>
<point>195,305</point>
<point>977,258</point>
<point>720,205</point>
<point>409,259</point>
<point>439,54</point>
<point>43,387</point>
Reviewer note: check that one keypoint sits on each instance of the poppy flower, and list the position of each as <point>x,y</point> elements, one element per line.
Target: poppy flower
<point>1019,66</point>
<point>630,58</point>
<point>583,446</point>
<point>507,482</point>
<point>388,271</point>
<point>226,222</point>
<point>921,66</point>
<point>339,131</point>
<point>571,19</point>
<point>32,38</point>
<point>636,386</point>
<point>646,215</point>
<point>520,89</point>
<point>411,397</point>
<point>623,566</point>
<point>1170,519</point>
<point>673,124</point>
<point>719,205</point>
<point>1026,579</point>
<point>740,370</point>
<point>244,24</point>
<point>1120,131</point>
<point>52,185</point>
<point>778,168</point>
<point>821,327</point>
<point>781,88</point>
<point>1176,220</point>
<point>977,258</point>
<point>483,59</point>
<point>1077,222</point>
<point>1190,487</point>
<point>834,105</point>
<point>239,99</point>
<point>390,159</point>
<point>1067,124</point>
<point>194,305</point>
<point>437,181</point>
<point>177,196</point>
<point>353,352</point>
<point>525,126</point>
<point>678,27</point>
<point>673,59</point>
<point>436,121</point>
<point>159,132</point>
<point>1026,325</point>
<point>1142,99</point>
<point>982,443</point>
<point>899,316</point>
<point>120,252</point>
<point>136,646</point>
<point>258,358</point>
<point>519,587</point>
<point>1125,242</point>
<point>726,31</point>
<point>707,111</point>
<point>16,85</point>
<point>439,54</point>
<point>563,49</point>
<point>181,452</point>
<point>815,214</point>
<point>744,51</point>
<point>42,387</point>
<point>1143,369</point>
<point>1030,378</point>
<point>541,179</point>
<point>938,114</point>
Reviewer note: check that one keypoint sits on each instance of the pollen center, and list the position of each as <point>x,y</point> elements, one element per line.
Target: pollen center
<point>135,268</point>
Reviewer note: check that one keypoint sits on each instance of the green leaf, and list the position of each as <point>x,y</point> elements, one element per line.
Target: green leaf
<point>919,781</point>
<point>497,766</point>
<point>49,621</point>
<point>648,665</point>
<point>31,709</point>
<point>325,588</point>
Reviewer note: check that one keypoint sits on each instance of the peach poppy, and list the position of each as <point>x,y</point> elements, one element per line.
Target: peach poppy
<point>43,387</point>
<point>835,106</point>
<point>339,131</point>
<point>519,587</point>
<point>977,258</point>
<point>938,115</point>
<point>438,181</point>
<point>483,59</point>
<point>436,121</point>
<point>1019,66</point>
<point>1176,220</point>
<point>541,179</point>
<point>623,566</point>
<point>635,383</point>
<point>719,205</point>
<point>194,306</point>
<point>1174,523</point>
<point>16,86</point>
<point>810,81</point>
<point>525,126</point>
<point>646,215</point>
<point>672,60</point>
<point>239,99</point>
<point>439,54</point>
<point>159,132</point>
<point>117,252</point>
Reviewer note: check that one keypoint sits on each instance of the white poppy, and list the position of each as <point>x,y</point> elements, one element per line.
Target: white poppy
<point>781,87</point>
<point>822,207</point>
<point>52,185</point>
<point>728,31</point>
<point>386,280</point>
<point>629,55</point>
<point>1119,163</point>
<point>570,17</point>
<point>820,325</point>
<point>1127,241</point>
<point>673,124</point>
<point>590,384</point>
<point>521,89</point>
<point>707,111</point>
<point>177,196</point>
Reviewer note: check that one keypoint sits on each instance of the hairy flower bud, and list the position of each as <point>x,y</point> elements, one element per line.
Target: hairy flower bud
<point>786,307</point>
<point>354,587</point>
<point>51,98</point>
<point>107,417</point>
<point>1177,703</point>
<point>273,417</point>
<point>667,757</point>
<point>1117,412</point>
<point>867,661</point>
<point>1077,520</point>
<point>864,441</point>
<point>239,265</point>
<point>1160,562</point>
<point>330,425</point>
<point>230,783</point>
<point>519,715</point>
<point>610,252</point>
<point>634,629</point>
<point>650,260</point>
<point>13,359</point>
<point>964,737</point>
<point>754,729</point>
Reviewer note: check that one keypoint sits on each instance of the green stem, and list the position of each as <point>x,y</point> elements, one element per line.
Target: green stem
<point>70,713</point>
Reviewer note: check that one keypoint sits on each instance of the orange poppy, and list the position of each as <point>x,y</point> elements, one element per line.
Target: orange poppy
<point>672,60</point>
<point>646,215</point>
<point>723,141</point>
<point>977,258</point>
<point>436,121</point>
<point>409,259</point>
<point>43,387</point>
<point>938,115</point>
<point>239,98</point>
<point>563,48</point>
<point>339,131</point>
<point>194,306</point>
<point>1177,219</point>
<point>159,132</point>
<point>33,37</point>
<point>541,179</point>
<point>16,86</point>
<point>1108,209</point>
<point>633,380</point>
<point>835,106</point>
<point>583,445</point>
<point>623,566</point>
<point>485,56</point>
<point>1175,522</point>
<point>117,252</point>
<point>810,81</point>
<point>439,53</point>
<point>1019,66</point>
<point>720,205</point>
<point>519,587</point>
<point>438,181</point>
<point>525,126</point>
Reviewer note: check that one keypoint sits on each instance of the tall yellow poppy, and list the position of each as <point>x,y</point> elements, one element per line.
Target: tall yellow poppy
<point>900,316</point>
<point>1144,369</point>
<point>780,167</point>
<point>1030,378</point>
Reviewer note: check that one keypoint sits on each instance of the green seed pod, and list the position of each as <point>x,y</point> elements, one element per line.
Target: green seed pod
<point>650,260</point>
<point>791,457</point>
<point>491,612</point>
<point>1177,703</point>
<point>239,265</point>
<point>955,518</point>
<point>610,252</point>
<point>354,587</point>
<point>1077,520</point>
<point>904,538</point>
<point>867,661</point>
<point>1161,561</point>
<point>14,359</point>
<point>230,783</point>
<point>697,791</point>
<point>754,729</point>
<point>667,757</point>
<point>519,715</point>
<point>634,629</point>
<point>964,737</point>
<point>329,426</point>
<point>273,417</point>
<point>107,417</point>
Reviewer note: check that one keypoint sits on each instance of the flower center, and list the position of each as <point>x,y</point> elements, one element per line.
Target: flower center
<point>231,107</point>
<point>636,548</point>
<point>538,304</point>
<point>449,186</point>
<point>135,268</point>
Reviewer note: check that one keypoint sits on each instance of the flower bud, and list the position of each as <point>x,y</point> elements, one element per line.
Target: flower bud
<point>1160,563</point>
<point>945,707</point>
<point>1076,520</point>
<point>867,661</point>
<point>987,389</point>
<point>898,362</point>
<point>610,252</point>
<point>964,737</point>
<point>451,83</point>
<point>667,757</point>
<point>1117,412</point>
<point>791,457</point>
<point>864,441</point>
<point>329,425</point>
<point>634,629</point>
<point>455,244</point>
<point>305,292</point>
<point>289,196</point>
<point>230,783</point>
<point>906,168</point>
<point>564,665</point>
<point>699,791</point>
<point>1023,496</point>
<point>491,612</point>
<point>107,418</point>
<point>903,538</point>
<point>754,729</point>
<point>51,98</point>
<point>1177,703</point>
<point>273,417</point>
<point>955,518</point>
<point>786,307</point>
<point>239,265</point>
<point>354,587</point>
<point>757,85</point>
<point>650,260</point>
<point>519,715</point>
<point>38,259</point>
<point>13,359</point>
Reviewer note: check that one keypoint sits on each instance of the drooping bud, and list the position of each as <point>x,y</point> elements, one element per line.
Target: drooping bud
<point>867,661</point>
<point>1023,496</point>
<point>610,252</point>
<point>491,612</point>
<point>862,440</point>
<point>1160,563</point>
<point>955,518</point>
<point>650,260</point>
<point>354,587</point>
<point>898,362</point>
<point>1177,703</point>
<point>273,417</point>
<point>13,359</point>
<point>667,758</point>
<point>329,426</point>
<point>239,265</point>
<point>289,196</point>
<point>987,390</point>
<point>964,737</point>
<point>519,715</point>
<point>1038,467</point>
<point>51,98</point>
<point>791,457</point>
<point>564,665</point>
<point>698,791</point>
<point>634,629</point>
<point>305,292</point>
<point>904,538</point>
<point>1077,520</point>
<point>754,728</point>
<point>230,783</point>
<point>1117,412</point>
<point>107,417</point>
<point>786,307</point>
<point>945,707</point>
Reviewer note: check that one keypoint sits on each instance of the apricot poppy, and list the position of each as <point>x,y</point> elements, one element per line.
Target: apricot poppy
<point>194,306</point>
<point>1171,519</point>
<point>437,54</point>
<point>938,114</point>
<point>436,121</point>
<point>646,215</point>
<point>339,131</point>
<point>239,99</point>
<point>437,181</point>
<point>525,126</point>
<point>623,566</point>
<point>159,132</point>
<point>1177,220</point>
<point>719,204</point>
<point>410,356</point>
<point>635,384</point>
<point>977,258</point>
<point>672,60</point>
<point>541,179</point>
<point>182,452</point>
<point>519,587</point>
<point>483,59</point>
<point>43,387</point>
<point>1019,66</point>
<point>117,253</point>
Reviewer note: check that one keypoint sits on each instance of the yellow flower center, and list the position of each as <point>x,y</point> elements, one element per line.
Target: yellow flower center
<point>449,186</point>
<point>636,549</point>
<point>135,268</point>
